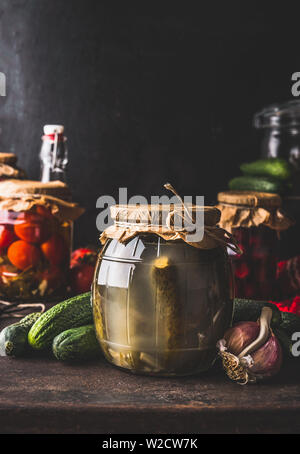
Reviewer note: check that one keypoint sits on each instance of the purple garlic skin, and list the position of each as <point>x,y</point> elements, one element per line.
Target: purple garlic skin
<point>250,351</point>
<point>240,336</point>
<point>267,360</point>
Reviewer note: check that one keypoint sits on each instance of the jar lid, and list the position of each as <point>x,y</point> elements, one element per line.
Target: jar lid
<point>23,195</point>
<point>286,114</point>
<point>250,199</point>
<point>53,129</point>
<point>19,188</point>
<point>8,158</point>
<point>156,214</point>
<point>251,209</point>
<point>132,220</point>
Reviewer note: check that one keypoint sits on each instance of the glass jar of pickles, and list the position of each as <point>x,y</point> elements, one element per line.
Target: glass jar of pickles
<point>161,303</point>
<point>256,220</point>
<point>36,222</point>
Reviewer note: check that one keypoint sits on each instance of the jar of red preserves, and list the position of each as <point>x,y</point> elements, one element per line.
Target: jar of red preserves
<point>256,220</point>
<point>36,222</point>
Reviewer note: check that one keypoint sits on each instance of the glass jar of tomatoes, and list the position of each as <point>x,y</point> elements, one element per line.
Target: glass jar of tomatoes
<point>255,219</point>
<point>36,221</point>
<point>8,167</point>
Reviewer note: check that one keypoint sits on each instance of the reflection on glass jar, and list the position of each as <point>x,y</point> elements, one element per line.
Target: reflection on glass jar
<point>161,306</point>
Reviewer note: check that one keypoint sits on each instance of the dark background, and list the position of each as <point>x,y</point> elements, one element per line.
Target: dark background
<point>148,92</point>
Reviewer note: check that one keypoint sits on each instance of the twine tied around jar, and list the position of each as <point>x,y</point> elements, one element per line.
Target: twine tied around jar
<point>227,240</point>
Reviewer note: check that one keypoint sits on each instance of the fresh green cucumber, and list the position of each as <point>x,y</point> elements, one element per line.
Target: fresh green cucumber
<point>290,323</point>
<point>74,312</point>
<point>260,184</point>
<point>273,167</point>
<point>13,338</point>
<point>249,310</point>
<point>76,344</point>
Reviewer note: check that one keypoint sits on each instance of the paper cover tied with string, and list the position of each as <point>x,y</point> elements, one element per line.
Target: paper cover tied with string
<point>22,195</point>
<point>251,209</point>
<point>8,167</point>
<point>171,222</point>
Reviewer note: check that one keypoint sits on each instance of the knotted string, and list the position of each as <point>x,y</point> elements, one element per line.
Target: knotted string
<point>227,240</point>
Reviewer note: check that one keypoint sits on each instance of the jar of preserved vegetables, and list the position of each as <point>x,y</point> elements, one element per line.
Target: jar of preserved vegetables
<point>161,303</point>
<point>8,167</point>
<point>36,222</point>
<point>278,127</point>
<point>256,220</point>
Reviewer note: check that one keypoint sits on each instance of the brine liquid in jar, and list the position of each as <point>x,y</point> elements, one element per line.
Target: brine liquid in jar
<point>160,307</point>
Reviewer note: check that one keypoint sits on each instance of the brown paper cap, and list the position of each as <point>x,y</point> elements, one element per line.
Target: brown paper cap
<point>8,158</point>
<point>18,188</point>
<point>22,195</point>
<point>8,167</point>
<point>132,220</point>
<point>250,198</point>
<point>153,214</point>
<point>251,209</point>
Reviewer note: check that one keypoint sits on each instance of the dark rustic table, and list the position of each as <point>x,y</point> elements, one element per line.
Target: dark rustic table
<point>42,395</point>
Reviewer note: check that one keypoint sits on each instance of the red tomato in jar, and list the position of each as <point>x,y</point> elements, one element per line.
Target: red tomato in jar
<point>7,236</point>
<point>51,220</point>
<point>43,211</point>
<point>23,255</point>
<point>55,249</point>
<point>32,227</point>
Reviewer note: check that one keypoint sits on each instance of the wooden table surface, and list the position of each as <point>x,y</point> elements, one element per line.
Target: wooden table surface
<point>44,396</point>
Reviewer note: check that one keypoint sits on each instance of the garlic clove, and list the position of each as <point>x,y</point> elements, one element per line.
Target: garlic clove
<point>240,336</point>
<point>267,360</point>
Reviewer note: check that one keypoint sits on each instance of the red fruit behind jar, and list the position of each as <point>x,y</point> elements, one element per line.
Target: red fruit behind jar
<point>83,261</point>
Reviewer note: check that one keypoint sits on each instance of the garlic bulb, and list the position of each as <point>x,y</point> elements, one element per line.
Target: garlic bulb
<point>250,351</point>
<point>267,359</point>
<point>239,336</point>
